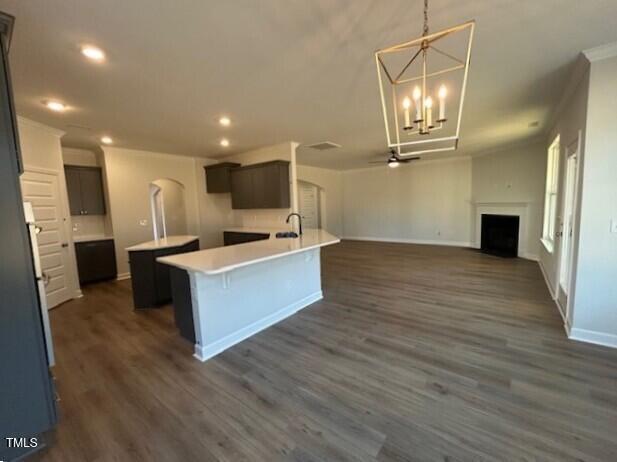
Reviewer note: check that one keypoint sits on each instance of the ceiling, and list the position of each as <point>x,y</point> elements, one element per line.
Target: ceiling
<point>283,69</point>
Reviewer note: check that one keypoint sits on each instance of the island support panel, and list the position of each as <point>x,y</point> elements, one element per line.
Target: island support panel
<point>232,306</point>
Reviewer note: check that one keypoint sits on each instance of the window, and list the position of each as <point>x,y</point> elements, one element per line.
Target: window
<point>550,197</point>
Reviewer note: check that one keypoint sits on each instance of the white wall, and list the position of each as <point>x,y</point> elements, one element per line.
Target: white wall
<point>41,150</point>
<point>513,178</point>
<point>595,302</point>
<point>571,118</point>
<point>215,212</point>
<point>330,183</point>
<point>88,225</point>
<point>129,174</point>
<point>425,201</point>
<point>267,218</point>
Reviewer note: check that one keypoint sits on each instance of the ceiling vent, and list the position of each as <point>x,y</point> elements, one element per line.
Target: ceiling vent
<point>324,146</point>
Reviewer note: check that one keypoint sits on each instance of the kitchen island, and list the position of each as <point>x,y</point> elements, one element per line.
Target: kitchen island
<point>230,293</point>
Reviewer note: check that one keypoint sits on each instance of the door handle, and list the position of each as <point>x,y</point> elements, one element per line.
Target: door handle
<point>46,278</point>
<point>65,244</point>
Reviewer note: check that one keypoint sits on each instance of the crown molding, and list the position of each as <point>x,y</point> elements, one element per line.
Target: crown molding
<point>579,71</point>
<point>51,130</point>
<point>608,50</point>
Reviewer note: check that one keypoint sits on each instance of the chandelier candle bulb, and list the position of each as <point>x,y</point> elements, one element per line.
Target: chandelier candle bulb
<point>406,106</point>
<point>429,112</point>
<point>417,97</point>
<point>443,92</point>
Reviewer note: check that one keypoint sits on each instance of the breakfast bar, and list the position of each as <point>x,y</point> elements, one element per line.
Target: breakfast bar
<point>236,291</point>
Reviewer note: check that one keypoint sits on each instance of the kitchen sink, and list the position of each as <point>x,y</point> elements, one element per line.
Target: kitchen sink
<point>286,234</point>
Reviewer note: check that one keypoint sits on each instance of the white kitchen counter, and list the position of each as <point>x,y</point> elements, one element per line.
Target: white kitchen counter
<point>229,293</point>
<point>223,259</point>
<point>165,243</point>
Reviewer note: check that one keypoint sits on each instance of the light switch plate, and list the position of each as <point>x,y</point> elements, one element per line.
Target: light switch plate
<point>614,225</point>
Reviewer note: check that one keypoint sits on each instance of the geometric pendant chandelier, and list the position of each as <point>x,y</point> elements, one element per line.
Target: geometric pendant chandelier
<point>422,86</point>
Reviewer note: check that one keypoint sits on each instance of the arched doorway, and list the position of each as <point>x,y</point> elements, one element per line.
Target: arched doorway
<point>167,204</point>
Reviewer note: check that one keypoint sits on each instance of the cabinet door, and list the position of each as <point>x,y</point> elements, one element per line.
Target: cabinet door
<point>242,189</point>
<point>275,186</point>
<point>73,188</point>
<point>96,261</point>
<point>91,183</point>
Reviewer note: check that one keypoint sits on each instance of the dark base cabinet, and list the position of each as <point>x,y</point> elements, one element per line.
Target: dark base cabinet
<point>150,279</point>
<point>233,237</point>
<point>96,261</point>
<point>183,304</point>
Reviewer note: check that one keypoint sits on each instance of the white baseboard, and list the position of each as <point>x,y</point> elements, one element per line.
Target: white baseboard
<point>547,281</point>
<point>566,324</point>
<point>530,256</point>
<point>123,276</point>
<point>205,352</point>
<point>590,336</point>
<point>408,241</point>
<point>527,256</point>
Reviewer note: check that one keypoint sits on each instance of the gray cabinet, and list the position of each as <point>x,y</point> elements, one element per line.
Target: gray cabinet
<point>149,278</point>
<point>218,177</point>
<point>27,404</point>
<point>234,237</point>
<point>96,260</point>
<point>261,186</point>
<point>85,190</point>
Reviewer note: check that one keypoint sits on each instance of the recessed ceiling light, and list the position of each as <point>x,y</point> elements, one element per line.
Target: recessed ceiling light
<point>225,121</point>
<point>56,106</point>
<point>224,142</point>
<point>93,53</point>
<point>106,140</point>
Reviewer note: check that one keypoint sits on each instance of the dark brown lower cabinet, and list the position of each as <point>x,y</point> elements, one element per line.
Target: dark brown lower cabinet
<point>96,261</point>
<point>150,280</point>
<point>183,304</point>
<point>234,237</point>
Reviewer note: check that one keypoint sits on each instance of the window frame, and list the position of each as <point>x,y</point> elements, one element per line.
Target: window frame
<point>551,194</point>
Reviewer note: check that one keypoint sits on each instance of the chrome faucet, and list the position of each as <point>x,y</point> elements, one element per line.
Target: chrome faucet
<point>299,221</point>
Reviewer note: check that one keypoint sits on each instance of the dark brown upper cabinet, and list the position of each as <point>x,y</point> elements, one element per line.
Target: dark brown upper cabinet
<point>261,186</point>
<point>85,190</point>
<point>218,178</point>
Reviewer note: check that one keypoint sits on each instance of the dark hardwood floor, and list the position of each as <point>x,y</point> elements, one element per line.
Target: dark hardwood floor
<point>416,353</point>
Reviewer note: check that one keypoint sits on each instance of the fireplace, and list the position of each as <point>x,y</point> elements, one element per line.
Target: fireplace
<point>500,235</point>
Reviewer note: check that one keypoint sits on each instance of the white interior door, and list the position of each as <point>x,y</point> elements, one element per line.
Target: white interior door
<point>309,205</point>
<point>43,191</point>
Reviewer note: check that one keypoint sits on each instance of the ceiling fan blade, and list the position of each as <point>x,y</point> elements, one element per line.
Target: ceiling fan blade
<point>409,159</point>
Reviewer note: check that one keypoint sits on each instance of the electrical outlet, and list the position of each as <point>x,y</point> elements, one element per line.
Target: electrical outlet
<point>143,222</point>
<point>614,225</point>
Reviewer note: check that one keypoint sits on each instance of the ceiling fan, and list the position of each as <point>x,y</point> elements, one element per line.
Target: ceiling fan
<point>394,161</point>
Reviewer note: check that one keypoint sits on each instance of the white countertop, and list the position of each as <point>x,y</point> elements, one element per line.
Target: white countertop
<point>164,243</point>
<point>91,238</point>
<point>223,259</point>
